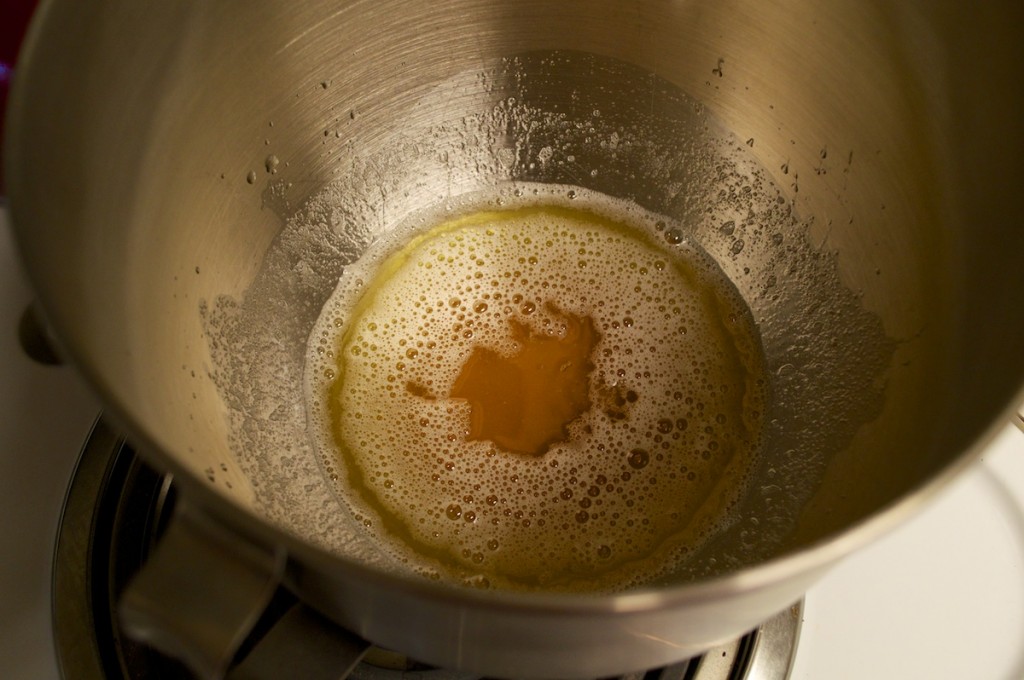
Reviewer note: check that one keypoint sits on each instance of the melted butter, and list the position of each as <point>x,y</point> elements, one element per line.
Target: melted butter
<point>525,402</point>
<point>624,373</point>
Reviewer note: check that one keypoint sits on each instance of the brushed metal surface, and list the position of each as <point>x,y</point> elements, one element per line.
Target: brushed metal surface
<point>158,154</point>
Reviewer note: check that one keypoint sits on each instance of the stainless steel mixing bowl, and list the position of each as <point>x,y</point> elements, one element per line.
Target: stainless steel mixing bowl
<point>187,181</point>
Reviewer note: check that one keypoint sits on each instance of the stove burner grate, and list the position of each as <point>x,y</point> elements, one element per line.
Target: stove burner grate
<point>116,509</point>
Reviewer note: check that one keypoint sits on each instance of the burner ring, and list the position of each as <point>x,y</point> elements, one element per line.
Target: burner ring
<point>114,512</point>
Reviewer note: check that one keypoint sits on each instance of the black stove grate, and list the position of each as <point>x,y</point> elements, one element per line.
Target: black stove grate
<point>116,509</point>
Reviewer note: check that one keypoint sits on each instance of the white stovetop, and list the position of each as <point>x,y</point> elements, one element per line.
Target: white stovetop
<point>940,598</point>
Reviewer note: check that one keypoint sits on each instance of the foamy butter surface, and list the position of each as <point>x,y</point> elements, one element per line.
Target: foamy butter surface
<point>657,442</point>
